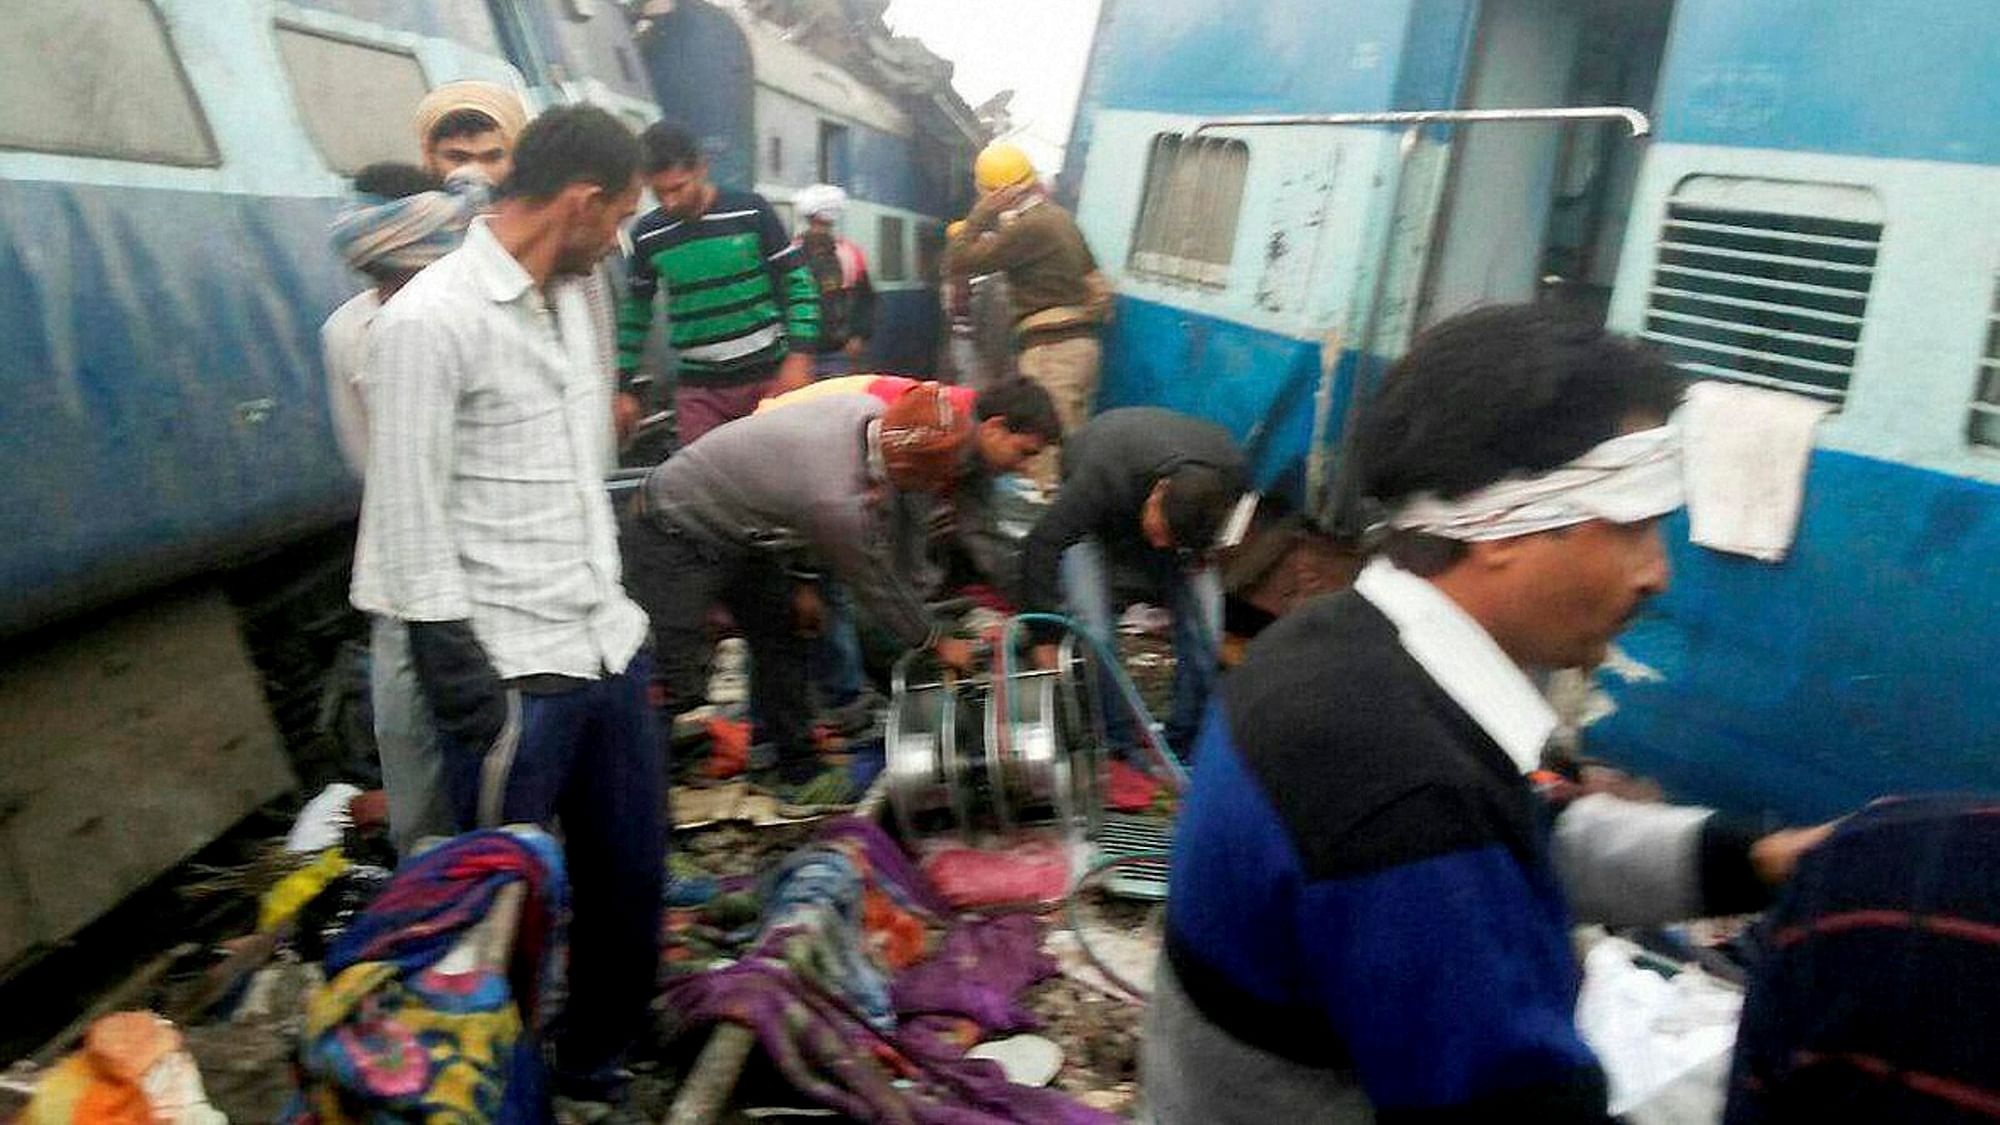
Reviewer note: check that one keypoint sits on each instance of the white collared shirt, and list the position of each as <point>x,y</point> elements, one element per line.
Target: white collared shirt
<point>1464,660</point>
<point>485,496</point>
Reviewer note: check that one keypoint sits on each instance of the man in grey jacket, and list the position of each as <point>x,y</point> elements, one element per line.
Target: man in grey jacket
<point>733,519</point>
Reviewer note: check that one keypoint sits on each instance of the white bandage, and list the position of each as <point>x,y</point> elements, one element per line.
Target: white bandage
<point>1630,478</point>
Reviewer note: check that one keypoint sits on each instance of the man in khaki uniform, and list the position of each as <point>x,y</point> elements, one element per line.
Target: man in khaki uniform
<point>1059,297</point>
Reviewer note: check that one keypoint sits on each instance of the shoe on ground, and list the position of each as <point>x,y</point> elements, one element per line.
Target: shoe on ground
<point>829,791</point>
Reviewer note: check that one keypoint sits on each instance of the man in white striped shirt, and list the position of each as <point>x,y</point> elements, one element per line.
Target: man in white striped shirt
<point>486,528</point>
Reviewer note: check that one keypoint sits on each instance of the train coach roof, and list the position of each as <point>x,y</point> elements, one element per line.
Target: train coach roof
<point>791,69</point>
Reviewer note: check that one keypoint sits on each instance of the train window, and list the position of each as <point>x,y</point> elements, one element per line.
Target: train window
<point>1983,428</point>
<point>97,78</point>
<point>891,262</point>
<point>1187,216</point>
<point>834,155</point>
<point>346,90</point>
<point>1764,282</point>
<point>777,156</point>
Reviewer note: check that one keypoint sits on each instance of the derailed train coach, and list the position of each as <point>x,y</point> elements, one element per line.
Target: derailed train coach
<point>167,172</point>
<point>1812,206</point>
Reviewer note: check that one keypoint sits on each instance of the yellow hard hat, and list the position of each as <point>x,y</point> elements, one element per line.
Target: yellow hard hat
<point>955,228</point>
<point>1001,165</point>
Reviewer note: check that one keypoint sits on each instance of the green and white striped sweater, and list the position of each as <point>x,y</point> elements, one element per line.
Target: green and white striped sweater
<point>739,296</point>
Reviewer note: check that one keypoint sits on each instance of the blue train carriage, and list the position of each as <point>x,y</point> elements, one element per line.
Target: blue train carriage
<point>1816,213</point>
<point>167,171</point>
<point>775,116</point>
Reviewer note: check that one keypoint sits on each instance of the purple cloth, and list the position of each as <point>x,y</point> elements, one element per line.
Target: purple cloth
<point>698,409</point>
<point>827,1051</point>
<point>977,972</point>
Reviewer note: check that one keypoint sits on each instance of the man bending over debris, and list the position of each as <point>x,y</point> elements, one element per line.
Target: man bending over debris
<point>1371,905</point>
<point>1146,490</point>
<point>730,518</point>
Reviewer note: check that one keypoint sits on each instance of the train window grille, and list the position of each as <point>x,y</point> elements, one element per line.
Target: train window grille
<point>1766,297</point>
<point>891,262</point>
<point>98,78</point>
<point>1189,211</point>
<point>345,89</point>
<point>1983,428</point>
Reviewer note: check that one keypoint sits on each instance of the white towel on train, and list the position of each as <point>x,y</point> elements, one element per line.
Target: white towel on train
<point>1746,453</point>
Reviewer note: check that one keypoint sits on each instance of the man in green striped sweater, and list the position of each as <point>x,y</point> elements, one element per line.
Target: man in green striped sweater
<point>742,309</point>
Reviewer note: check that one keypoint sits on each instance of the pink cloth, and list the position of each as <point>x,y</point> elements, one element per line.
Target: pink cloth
<point>1023,874</point>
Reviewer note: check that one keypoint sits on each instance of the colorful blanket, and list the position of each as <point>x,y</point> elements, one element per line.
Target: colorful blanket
<point>823,1027</point>
<point>413,1022</point>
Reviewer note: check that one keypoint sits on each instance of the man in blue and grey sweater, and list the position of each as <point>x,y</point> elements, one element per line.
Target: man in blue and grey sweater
<point>1371,905</point>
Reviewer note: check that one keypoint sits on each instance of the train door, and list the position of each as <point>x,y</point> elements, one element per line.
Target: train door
<point>1538,211</point>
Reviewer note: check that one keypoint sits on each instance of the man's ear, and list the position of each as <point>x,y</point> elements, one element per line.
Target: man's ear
<point>1497,554</point>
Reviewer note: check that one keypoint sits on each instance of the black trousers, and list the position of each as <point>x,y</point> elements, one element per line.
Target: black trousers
<point>677,578</point>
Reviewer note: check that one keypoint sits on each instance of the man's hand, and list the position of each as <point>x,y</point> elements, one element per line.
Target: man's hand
<point>808,609</point>
<point>626,410</point>
<point>954,653</point>
<point>466,696</point>
<point>1046,656</point>
<point>854,347</point>
<point>1776,856</point>
<point>794,371</point>
<point>987,211</point>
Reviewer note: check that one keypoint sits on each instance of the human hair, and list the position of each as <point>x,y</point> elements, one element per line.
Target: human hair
<point>1499,391</point>
<point>461,123</point>
<point>571,144</point>
<point>1197,503</point>
<point>1023,406</point>
<point>393,179</point>
<point>669,145</point>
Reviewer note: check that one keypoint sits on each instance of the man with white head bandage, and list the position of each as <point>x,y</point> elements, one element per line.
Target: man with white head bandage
<point>1372,901</point>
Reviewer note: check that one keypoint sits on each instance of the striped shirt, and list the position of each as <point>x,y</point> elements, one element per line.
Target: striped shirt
<point>739,296</point>
<point>485,496</point>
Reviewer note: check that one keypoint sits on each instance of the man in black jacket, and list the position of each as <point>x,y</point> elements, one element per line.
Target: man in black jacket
<point>1145,491</point>
<point>1371,905</point>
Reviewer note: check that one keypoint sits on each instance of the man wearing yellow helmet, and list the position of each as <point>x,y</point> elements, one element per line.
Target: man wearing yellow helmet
<point>1059,297</point>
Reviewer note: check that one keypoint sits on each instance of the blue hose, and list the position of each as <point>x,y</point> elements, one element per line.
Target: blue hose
<point>1171,765</point>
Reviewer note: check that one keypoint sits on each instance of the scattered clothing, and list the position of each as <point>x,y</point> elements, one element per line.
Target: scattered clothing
<point>1746,454</point>
<point>1664,1043</point>
<point>131,1070</point>
<point>1873,995</point>
<point>1019,873</point>
<point>812,923</point>
<point>324,820</point>
<point>413,1022</point>
<point>825,1047</point>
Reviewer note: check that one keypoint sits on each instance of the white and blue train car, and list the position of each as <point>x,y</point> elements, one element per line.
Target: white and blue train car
<point>167,172</point>
<point>775,117</point>
<point>1817,211</point>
